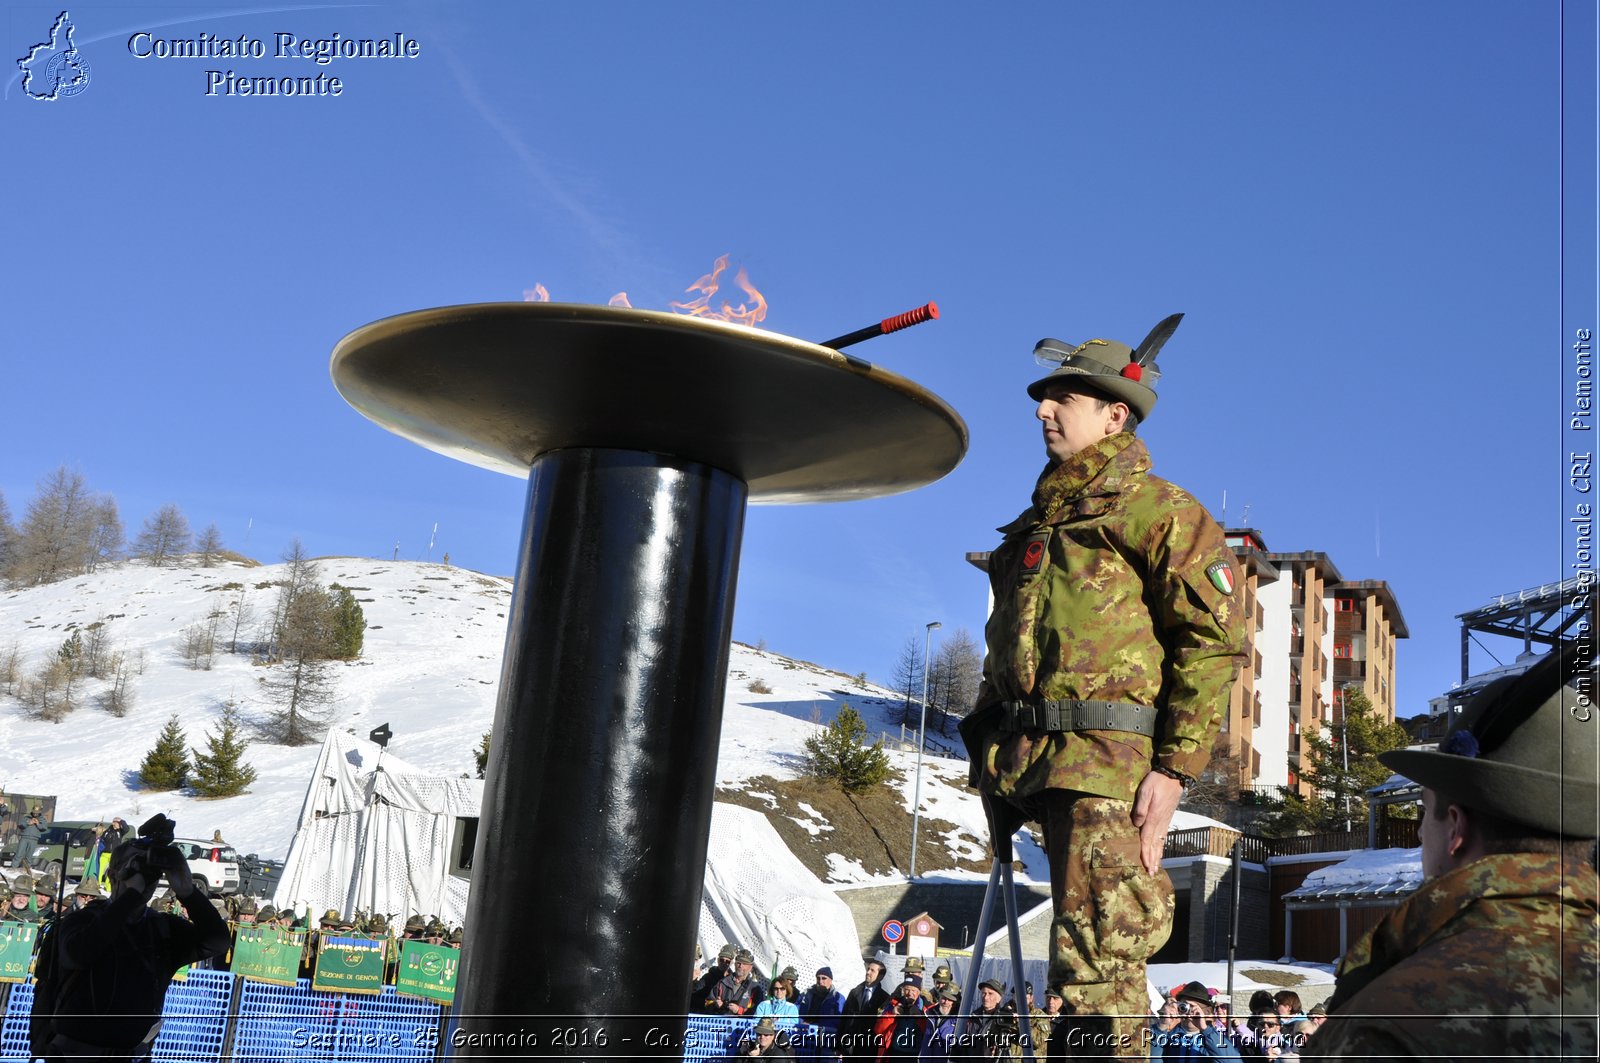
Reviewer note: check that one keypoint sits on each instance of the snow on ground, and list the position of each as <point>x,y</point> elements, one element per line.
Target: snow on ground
<point>430,669</point>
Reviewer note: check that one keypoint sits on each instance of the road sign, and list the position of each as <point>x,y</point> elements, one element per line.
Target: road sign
<point>893,931</point>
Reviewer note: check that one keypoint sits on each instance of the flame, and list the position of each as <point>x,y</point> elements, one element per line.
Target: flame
<point>743,314</point>
<point>749,313</point>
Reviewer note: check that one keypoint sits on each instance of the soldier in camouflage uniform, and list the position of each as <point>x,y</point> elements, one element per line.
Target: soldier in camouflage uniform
<point>1496,955</point>
<point>1112,647</point>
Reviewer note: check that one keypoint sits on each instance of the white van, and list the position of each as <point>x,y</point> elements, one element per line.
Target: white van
<point>213,866</point>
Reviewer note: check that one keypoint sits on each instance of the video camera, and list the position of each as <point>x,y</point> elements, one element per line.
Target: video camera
<point>155,832</point>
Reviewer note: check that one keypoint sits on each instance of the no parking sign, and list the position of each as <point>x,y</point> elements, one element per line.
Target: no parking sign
<point>894,931</point>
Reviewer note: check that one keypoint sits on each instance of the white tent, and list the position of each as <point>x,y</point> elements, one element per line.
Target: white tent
<point>379,838</point>
<point>760,896</point>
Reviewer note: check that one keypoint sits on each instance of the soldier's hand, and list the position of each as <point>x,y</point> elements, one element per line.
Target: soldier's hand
<point>1153,806</point>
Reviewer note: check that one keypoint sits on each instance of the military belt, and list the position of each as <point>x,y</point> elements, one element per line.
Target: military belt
<point>1070,714</point>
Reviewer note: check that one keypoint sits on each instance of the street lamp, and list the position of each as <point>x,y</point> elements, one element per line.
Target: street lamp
<point>922,730</point>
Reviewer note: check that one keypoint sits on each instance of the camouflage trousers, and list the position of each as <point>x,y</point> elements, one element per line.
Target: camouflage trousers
<point>1110,917</point>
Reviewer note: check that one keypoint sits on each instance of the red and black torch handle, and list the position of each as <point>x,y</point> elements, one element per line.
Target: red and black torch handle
<point>888,324</point>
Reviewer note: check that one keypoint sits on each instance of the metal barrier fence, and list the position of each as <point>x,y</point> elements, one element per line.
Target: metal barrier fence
<point>212,1016</point>
<point>269,1022</point>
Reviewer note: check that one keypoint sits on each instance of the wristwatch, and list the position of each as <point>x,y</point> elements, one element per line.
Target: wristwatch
<point>1185,781</point>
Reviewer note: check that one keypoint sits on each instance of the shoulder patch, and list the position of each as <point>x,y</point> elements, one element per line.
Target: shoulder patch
<point>1220,573</point>
<point>1033,552</point>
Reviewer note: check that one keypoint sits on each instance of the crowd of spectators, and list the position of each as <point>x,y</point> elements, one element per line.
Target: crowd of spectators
<point>921,1020</point>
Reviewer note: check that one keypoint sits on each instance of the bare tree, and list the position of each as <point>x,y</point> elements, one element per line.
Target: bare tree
<point>300,576</point>
<point>51,692</point>
<point>105,534</point>
<point>241,611</point>
<point>10,667</point>
<point>303,686</point>
<point>208,545</point>
<point>958,666</point>
<point>54,540</point>
<point>118,697</point>
<point>165,537</point>
<point>96,648</point>
<point>907,679</point>
<point>8,537</point>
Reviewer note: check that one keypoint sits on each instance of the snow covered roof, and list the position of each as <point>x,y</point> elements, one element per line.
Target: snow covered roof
<point>1368,875</point>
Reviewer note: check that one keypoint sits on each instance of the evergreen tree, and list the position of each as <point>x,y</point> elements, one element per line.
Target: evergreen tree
<point>166,766</point>
<point>1338,792</point>
<point>221,771</point>
<point>71,651</point>
<point>482,754</point>
<point>841,753</point>
<point>349,625</point>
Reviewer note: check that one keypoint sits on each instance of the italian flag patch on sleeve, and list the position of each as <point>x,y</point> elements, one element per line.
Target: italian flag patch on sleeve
<point>1220,573</point>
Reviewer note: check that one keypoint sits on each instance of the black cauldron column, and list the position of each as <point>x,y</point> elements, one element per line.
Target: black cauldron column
<point>643,435</point>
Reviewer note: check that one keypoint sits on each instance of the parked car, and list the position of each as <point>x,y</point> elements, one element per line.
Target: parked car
<point>214,867</point>
<point>76,835</point>
<point>258,877</point>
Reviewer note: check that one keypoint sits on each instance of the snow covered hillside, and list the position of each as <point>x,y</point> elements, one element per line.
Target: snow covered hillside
<point>429,669</point>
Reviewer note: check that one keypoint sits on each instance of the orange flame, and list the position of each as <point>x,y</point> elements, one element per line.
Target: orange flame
<point>537,294</point>
<point>620,299</point>
<point>743,314</point>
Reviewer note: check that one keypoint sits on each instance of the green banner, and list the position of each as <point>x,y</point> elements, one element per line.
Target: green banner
<point>267,954</point>
<point>348,964</point>
<point>427,971</point>
<point>16,950</point>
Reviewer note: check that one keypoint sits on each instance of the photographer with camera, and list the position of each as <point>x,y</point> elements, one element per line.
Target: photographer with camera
<point>105,968</point>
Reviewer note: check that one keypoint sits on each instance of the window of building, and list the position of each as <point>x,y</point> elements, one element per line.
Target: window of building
<point>1344,605</point>
<point>1341,651</point>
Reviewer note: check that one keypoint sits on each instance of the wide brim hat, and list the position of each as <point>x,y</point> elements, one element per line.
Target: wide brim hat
<point>949,992</point>
<point>765,1025</point>
<point>89,886</point>
<point>1524,750</point>
<point>1114,369</point>
<point>1194,992</point>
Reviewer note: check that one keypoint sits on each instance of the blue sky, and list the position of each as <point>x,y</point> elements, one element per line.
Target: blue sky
<point>1357,205</point>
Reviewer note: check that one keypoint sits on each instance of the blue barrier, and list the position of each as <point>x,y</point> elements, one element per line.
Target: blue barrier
<point>193,1025</point>
<point>714,1037</point>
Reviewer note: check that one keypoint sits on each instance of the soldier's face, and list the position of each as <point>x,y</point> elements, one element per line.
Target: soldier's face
<point>991,999</point>
<point>1433,832</point>
<point>1072,421</point>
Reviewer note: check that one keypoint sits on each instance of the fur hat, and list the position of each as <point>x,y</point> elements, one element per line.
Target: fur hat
<point>1114,369</point>
<point>1523,749</point>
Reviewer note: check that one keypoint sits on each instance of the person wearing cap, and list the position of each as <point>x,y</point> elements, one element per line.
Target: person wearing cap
<point>992,1030</point>
<point>901,1025</point>
<point>701,1000</point>
<point>1113,642</point>
<point>20,909</point>
<point>1496,954</point>
<point>862,1006</point>
<point>87,890</point>
<point>765,1039</point>
<point>821,1006</point>
<point>741,989</point>
<point>1196,1037</point>
<point>1040,1021</point>
<point>944,1023</point>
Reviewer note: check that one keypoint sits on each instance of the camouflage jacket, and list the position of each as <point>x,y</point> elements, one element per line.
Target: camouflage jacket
<point>1494,960</point>
<point>1114,585</point>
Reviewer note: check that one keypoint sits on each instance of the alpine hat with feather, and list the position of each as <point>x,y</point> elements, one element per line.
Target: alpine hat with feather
<point>1126,374</point>
<point>1525,749</point>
